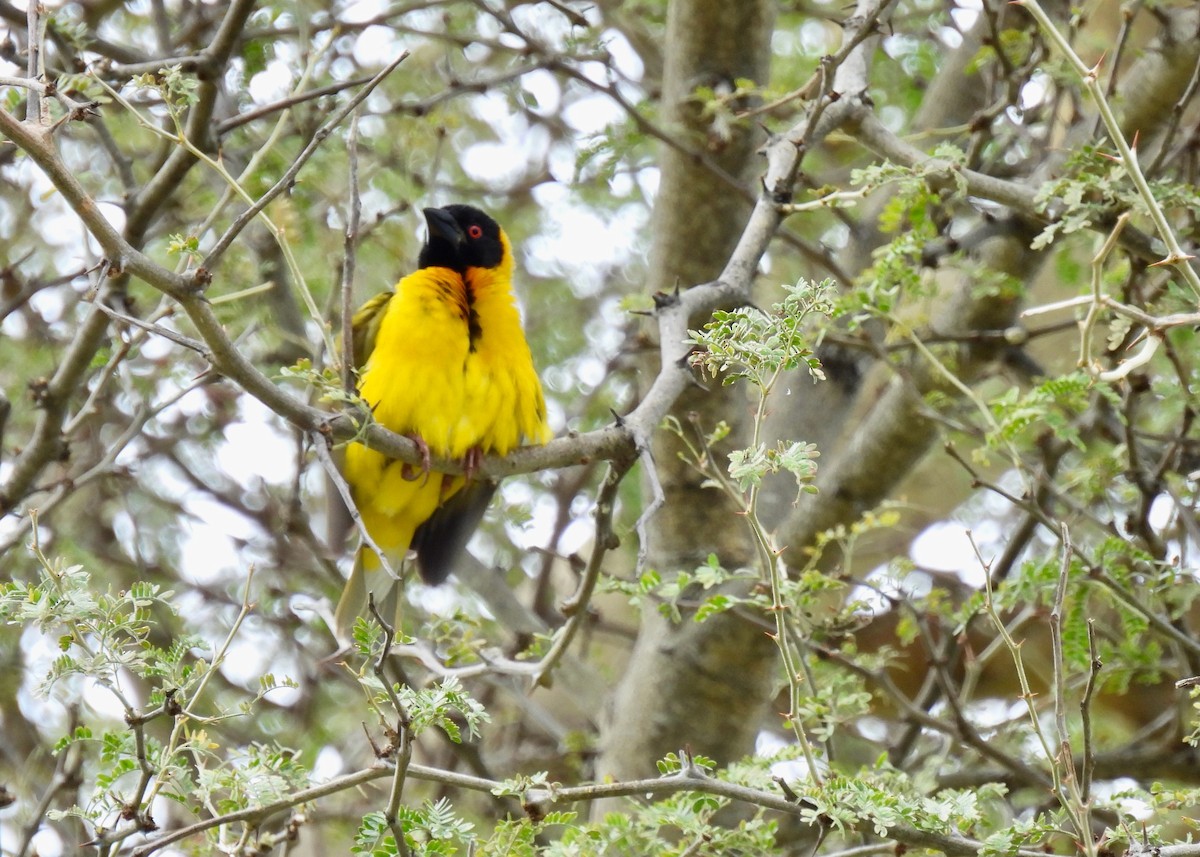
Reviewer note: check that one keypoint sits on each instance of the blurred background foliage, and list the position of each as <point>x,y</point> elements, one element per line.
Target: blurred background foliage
<point>550,116</point>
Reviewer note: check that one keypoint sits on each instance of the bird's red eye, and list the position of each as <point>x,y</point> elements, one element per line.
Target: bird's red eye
<point>475,230</point>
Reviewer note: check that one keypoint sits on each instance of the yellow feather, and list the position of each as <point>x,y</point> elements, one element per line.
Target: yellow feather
<point>446,360</point>
<point>504,396</point>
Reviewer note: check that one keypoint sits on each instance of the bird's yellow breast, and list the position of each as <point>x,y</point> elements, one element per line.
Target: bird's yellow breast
<point>504,402</point>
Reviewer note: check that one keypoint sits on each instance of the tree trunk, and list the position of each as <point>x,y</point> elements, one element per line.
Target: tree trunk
<point>690,684</point>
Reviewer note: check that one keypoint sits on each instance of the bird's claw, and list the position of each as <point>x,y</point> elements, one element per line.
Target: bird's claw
<point>472,461</point>
<point>406,471</point>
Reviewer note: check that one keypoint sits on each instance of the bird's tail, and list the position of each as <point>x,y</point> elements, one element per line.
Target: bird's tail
<point>366,578</point>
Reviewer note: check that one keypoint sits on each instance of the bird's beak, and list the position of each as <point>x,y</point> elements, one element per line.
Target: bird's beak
<point>442,225</point>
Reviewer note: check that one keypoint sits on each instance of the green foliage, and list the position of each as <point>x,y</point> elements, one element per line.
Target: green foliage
<point>750,344</point>
<point>459,637</point>
<point>104,638</point>
<point>748,467</point>
<point>619,148</point>
<point>1014,45</point>
<point>1054,406</point>
<point>436,706</point>
<point>440,705</point>
<point>674,763</point>
<point>178,89</point>
<point>1093,187</point>
<point>756,346</point>
<point>836,700</point>
<point>1022,833</point>
<point>187,246</point>
<point>1125,643</point>
<point>327,383</point>
<point>698,589</point>
<point>100,634</point>
<point>431,829</point>
<point>887,799</point>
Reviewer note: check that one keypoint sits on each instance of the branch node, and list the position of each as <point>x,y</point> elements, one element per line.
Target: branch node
<point>201,279</point>
<point>662,300</point>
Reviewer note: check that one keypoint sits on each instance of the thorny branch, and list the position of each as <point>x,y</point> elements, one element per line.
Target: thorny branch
<point>654,788</point>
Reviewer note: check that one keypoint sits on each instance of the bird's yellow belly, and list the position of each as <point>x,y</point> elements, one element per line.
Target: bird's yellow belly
<point>489,420</point>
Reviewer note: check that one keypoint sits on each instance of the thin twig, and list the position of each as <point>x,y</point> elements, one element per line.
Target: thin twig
<point>1173,123</point>
<point>287,103</point>
<point>148,787</point>
<point>1085,710</point>
<point>67,769</point>
<point>158,330</point>
<point>653,787</point>
<point>401,749</point>
<point>1056,647</point>
<point>36,108</point>
<point>289,176</point>
<point>605,540</point>
<point>1062,771</point>
<point>1086,326</point>
<point>1089,76</point>
<point>349,247</point>
<point>321,445</point>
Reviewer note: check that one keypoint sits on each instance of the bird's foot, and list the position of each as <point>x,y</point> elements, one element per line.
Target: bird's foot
<point>406,471</point>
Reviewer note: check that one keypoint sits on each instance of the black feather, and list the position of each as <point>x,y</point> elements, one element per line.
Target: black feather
<point>441,540</point>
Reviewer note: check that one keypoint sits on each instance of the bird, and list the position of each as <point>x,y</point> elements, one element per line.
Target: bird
<point>442,358</point>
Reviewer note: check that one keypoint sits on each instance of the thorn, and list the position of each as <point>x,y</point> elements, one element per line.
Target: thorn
<point>1137,340</point>
<point>1174,259</point>
<point>786,789</point>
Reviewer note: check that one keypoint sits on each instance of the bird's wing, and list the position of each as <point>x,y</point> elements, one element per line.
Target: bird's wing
<point>364,326</point>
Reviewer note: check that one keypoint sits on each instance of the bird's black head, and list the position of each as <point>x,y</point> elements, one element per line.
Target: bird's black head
<point>461,237</point>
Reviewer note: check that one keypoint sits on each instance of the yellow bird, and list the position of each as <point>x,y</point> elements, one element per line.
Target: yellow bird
<point>443,359</point>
